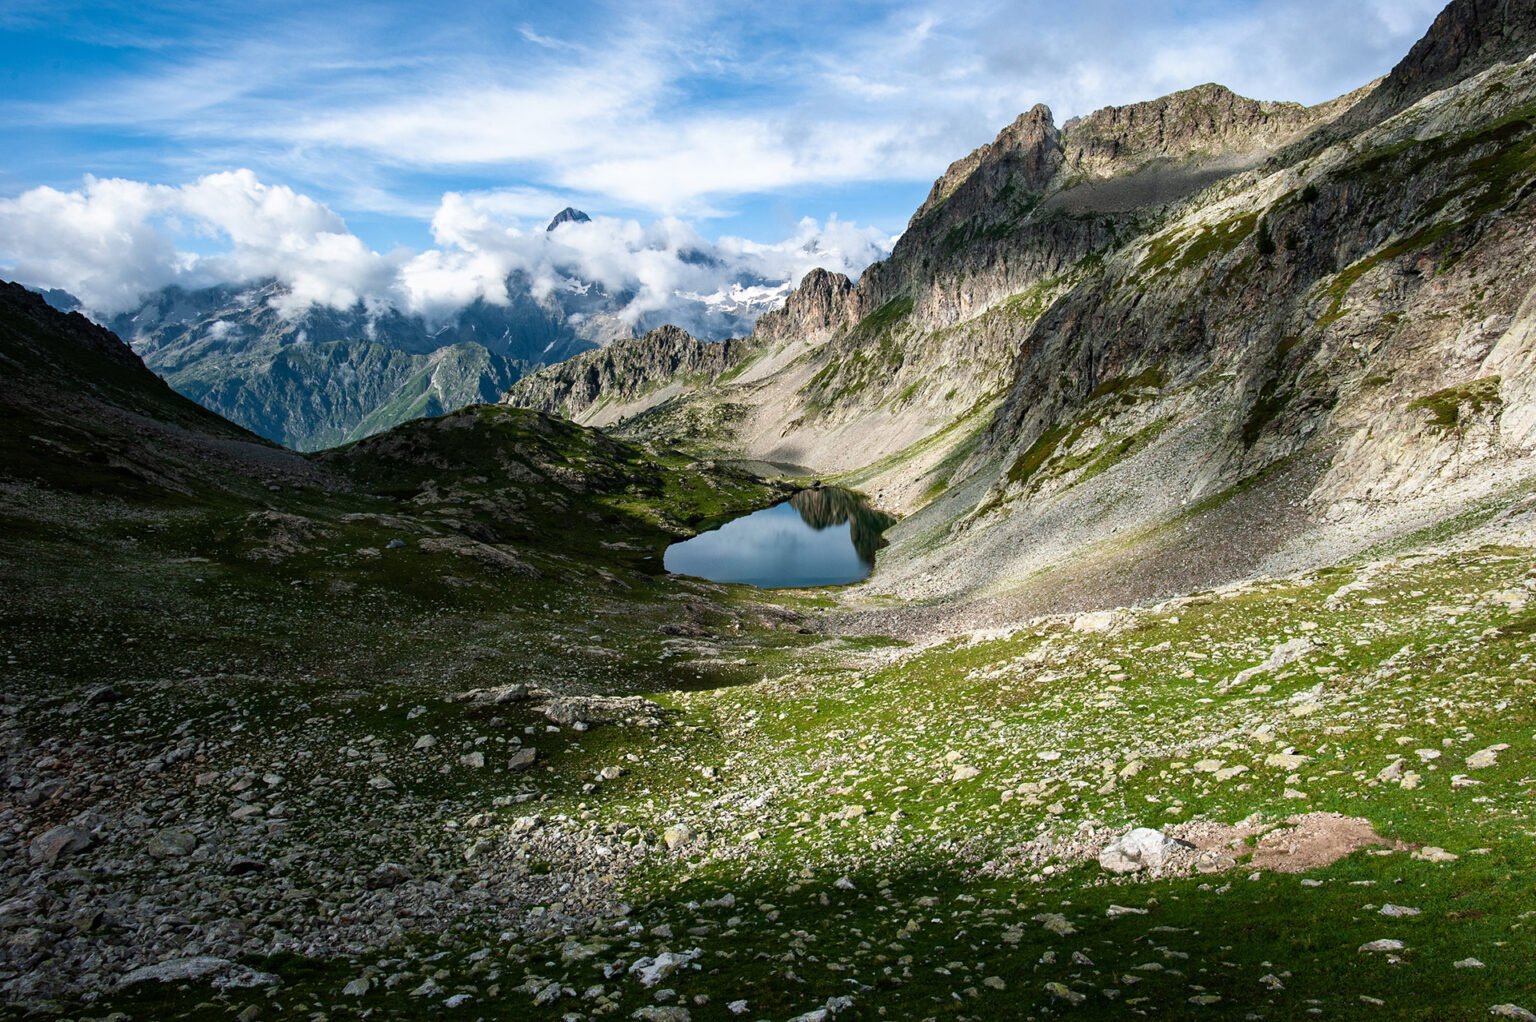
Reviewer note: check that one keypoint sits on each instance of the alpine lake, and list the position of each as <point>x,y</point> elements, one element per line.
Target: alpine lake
<point>821,536</point>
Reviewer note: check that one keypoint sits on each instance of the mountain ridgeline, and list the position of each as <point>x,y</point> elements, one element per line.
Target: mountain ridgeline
<point>1281,319</point>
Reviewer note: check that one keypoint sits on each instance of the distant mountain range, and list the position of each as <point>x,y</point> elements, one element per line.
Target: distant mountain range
<point>329,376</point>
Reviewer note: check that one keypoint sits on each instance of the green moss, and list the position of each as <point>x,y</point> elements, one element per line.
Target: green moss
<point>1445,406</point>
<point>1030,304</point>
<point>1337,291</point>
<point>1155,378</point>
<point>1161,252</point>
<point>1271,402</point>
<point>1039,452</point>
<point>1183,250</point>
<point>887,316</point>
<point>1112,452</point>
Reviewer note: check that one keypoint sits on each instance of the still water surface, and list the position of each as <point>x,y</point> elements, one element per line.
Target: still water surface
<point>819,537</point>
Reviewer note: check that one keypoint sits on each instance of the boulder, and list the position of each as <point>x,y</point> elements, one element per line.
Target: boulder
<point>59,843</point>
<point>387,875</point>
<point>590,710</point>
<point>1141,848</point>
<point>171,843</point>
<point>177,970</point>
<point>103,695</point>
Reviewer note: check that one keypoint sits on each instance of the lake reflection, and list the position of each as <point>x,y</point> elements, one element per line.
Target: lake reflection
<point>819,537</point>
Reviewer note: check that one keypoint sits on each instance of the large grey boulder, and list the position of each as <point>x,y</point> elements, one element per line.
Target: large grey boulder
<point>171,843</point>
<point>177,970</point>
<point>59,843</point>
<point>594,710</point>
<point>1141,848</point>
<point>222,973</point>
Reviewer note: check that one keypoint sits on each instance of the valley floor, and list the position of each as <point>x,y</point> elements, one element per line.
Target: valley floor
<point>275,789</point>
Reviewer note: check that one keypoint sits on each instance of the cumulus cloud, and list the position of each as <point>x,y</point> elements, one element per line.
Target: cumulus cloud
<point>112,242</point>
<point>481,243</point>
<point>101,242</point>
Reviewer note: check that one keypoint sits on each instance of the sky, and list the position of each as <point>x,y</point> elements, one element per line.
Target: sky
<point>355,147</point>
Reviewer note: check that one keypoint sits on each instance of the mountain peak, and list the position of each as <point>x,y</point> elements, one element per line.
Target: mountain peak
<point>1467,37</point>
<point>568,215</point>
<point>1206,120</point>
<point>1029,149</point>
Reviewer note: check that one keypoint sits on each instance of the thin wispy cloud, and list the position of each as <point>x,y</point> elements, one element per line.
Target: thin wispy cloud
<point>723,115</point>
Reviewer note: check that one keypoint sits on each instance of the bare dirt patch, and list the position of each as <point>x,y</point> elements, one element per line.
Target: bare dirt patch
<point>1314,840</point>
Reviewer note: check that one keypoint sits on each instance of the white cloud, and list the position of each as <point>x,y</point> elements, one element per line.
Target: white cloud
<point>481,242</point>
<point>100,241</point>
<point>112,242</point>
<point>682,108</point>
<point>674,110</point>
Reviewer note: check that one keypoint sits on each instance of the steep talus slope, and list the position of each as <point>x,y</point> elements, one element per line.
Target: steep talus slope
<point>1325,355</point>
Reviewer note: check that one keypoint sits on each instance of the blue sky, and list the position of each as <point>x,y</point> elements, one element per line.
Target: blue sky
<point>739,120</point>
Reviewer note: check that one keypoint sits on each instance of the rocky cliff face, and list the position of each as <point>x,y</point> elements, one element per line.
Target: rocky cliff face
<point>1208,121</point>
<point>821,305</point>
<point>601,386</point>
<point>1023,158</point>
<point>1467,37</point>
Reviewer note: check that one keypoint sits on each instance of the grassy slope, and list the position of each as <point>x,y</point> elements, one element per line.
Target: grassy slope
<point>945,891</point>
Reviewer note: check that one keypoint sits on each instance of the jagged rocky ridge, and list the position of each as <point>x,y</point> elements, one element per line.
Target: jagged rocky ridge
<point>597,386</point>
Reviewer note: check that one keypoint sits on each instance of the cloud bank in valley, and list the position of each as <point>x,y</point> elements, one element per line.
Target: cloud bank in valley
<point>112,242</point>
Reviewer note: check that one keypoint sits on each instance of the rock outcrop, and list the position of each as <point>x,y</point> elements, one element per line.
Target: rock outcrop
<point>623,372</point>
<point>821,305</point>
